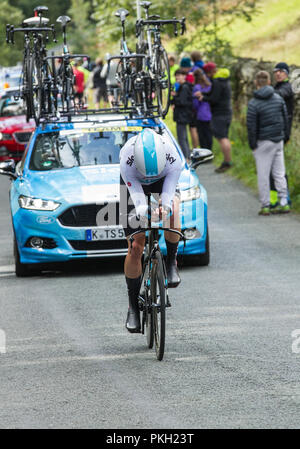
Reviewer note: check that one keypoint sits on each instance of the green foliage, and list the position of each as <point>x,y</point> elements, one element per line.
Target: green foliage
<point>56,7</point>
<point>82,34</point>
<point>9,55</point>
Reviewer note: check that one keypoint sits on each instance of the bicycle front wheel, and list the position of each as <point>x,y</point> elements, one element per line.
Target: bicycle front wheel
<point>158,299</point>
<point>163,84</point>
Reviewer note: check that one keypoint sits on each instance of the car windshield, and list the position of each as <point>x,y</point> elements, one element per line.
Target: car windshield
<point>82,147</point>
<point>10,107</point>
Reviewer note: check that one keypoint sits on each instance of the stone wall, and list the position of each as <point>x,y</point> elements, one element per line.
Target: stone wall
<point>243,73</point>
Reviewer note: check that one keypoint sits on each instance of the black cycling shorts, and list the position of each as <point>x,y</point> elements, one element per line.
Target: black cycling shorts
<point>126,206</point>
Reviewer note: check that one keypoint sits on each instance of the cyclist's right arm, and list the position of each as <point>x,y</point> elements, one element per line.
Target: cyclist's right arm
<point>129,175</point>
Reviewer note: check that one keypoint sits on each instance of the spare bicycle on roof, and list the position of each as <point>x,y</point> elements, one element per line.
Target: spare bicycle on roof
<point>47,84</point>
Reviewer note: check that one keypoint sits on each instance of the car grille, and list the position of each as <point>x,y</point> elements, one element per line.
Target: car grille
<point>22,137</point>
<point>86,215</point>
<point>82,245</point>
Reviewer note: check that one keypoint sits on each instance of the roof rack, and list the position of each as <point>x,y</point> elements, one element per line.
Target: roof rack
<point>85,115</point>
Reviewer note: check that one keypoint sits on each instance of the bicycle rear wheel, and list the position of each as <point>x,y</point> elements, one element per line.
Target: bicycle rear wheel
<point>147,309</point>
<point>35,88</point>
<point>158,299</point>
<point>24,92</point>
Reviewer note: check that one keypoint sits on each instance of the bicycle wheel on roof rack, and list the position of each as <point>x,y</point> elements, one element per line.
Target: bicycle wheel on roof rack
<point>24,88</point>
<point>35,88</point>
<point>123,80</point>
<point>162,83</point>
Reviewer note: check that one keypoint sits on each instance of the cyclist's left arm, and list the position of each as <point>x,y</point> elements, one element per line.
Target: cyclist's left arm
<point>171,180</point>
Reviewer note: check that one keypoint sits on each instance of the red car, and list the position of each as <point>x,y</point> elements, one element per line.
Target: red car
<point>15,131</point>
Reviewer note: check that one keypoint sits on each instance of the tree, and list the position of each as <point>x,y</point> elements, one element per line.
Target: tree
<point>9,55</point>
<point>83,34</point>
<point>56,7</point>
<point>205,20</point>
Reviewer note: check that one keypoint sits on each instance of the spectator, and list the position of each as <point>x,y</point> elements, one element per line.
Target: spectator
<point>219,99</point>
<point>284,88</point>
<point>79,83</point>
<point>99,85</point>
<point>202,108</point>
<point>112,85</point>
<point>267,123</point>
<point>173,67</point>
<point>186,65</point>
<point>183,115</point>
<point>196,57</point>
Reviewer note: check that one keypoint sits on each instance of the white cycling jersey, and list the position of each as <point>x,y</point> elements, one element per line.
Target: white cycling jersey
<point>134,179</point>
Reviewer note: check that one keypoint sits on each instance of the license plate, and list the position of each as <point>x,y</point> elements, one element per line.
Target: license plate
<point>105,234</point>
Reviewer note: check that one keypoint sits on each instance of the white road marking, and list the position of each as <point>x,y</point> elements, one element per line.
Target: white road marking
<point>7,268</point>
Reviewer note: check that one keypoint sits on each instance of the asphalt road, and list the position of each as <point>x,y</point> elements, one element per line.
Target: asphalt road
<point>230,358</point>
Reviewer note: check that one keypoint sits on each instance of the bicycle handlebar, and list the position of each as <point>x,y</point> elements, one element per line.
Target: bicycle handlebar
<point>10,30</point>
<point>131,56</point>
<point>159,23</point>
<point>140,231</point>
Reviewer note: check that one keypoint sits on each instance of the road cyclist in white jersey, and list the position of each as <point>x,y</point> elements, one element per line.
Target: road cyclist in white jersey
<point>149,163</point>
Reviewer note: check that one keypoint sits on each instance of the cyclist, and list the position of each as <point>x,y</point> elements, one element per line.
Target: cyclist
<point>148,164</point>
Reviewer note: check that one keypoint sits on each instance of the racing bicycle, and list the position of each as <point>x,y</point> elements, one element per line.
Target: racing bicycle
<point>157,63</point>
<point>154,297</point>
<point>36,74</point>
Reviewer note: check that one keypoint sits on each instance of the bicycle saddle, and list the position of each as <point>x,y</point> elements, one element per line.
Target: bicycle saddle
<point>41,9</point>
<point>145,5</point>
<point>63,20</point>
<point>32,21</point>
<point>122,13</point>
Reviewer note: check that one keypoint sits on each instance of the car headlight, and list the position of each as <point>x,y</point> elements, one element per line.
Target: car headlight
<point>190,194</point>
<point>6,136</point>
<point>27,202</point>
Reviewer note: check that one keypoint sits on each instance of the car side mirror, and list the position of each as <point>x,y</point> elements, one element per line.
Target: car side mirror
<point>8,168</point>
<point>200,156</point>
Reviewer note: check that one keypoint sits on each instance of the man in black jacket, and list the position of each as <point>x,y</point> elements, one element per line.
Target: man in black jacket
<point>284,88</point>
<point>219,99</point>
<point>183,110</point>
<point>268,129</point>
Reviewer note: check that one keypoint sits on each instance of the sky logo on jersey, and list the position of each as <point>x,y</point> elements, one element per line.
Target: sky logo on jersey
<point>150,156</point>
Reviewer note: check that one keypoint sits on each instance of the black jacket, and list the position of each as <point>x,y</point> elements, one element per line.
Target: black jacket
<point>219,97</point>
<point>267,117</point>
<point>285,90</point>
<point>183,101</point>
<point>98,81</point>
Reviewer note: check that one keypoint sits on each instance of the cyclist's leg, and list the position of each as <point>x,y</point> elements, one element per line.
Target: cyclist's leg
<point>133,271</point>
<point>133,262</point>
<point>172,241</point>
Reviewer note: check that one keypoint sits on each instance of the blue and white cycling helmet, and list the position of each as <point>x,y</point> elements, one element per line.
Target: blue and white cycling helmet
<point>149,153</point>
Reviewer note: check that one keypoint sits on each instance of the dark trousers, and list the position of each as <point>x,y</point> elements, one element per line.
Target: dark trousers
<point>182,137</point>
<point>205,134</point>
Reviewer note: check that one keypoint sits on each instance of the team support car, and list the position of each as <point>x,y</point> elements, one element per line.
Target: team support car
<point>69,178</point>
<point>15,131</point>
<point>10,77</point>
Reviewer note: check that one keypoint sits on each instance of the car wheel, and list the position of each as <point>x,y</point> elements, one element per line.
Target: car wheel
<point>22,269</point>
<point>201,259</point>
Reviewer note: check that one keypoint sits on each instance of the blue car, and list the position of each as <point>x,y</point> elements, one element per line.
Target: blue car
<point>69,179</point>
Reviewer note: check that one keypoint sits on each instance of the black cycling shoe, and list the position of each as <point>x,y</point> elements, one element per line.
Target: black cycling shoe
<point>133,322</point>
<point>172,274</point>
